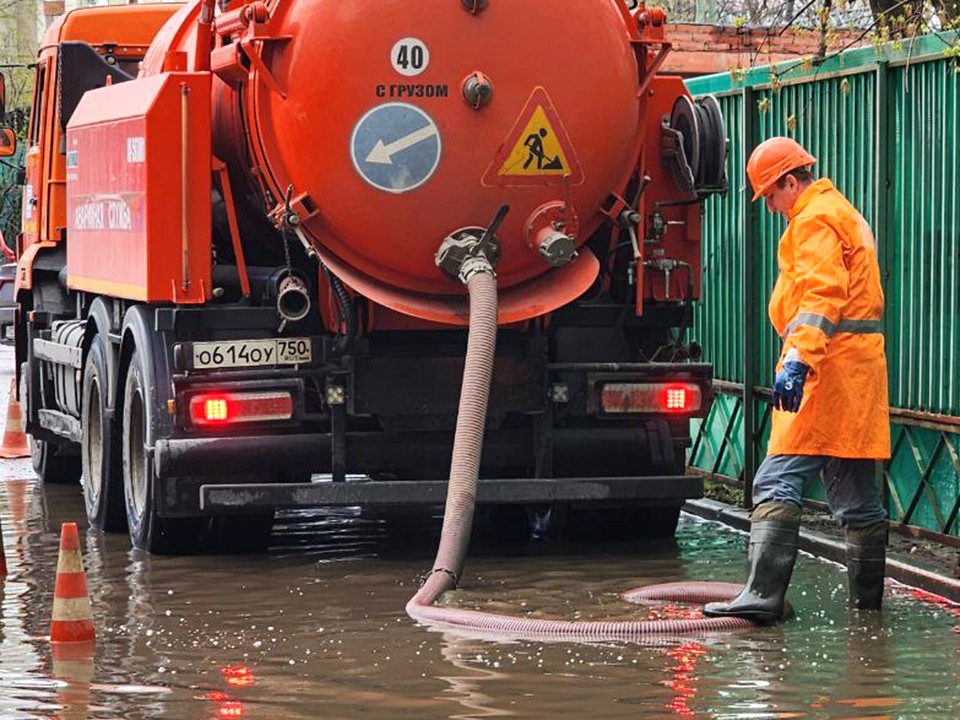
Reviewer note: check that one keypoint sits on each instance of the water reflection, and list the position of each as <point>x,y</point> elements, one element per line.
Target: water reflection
<point>867,669</point>
<point>225,706</point>
<point>73,667</point>
<point>466,688</point>
<point>21,664</point>
<point>316,628</point>
<point>683,680</point>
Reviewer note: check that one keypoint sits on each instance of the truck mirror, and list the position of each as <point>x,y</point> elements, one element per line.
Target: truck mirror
<point>8,142</point>
<point>3,97</point>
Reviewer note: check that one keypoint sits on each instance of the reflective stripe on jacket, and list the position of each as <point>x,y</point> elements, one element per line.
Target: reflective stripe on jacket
<point>828,307</point>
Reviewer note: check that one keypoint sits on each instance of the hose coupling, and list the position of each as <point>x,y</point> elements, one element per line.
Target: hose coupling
<point>474,266</point>
<point>471,250</point>
<point>551,232</point>
<point>293,298</point>
<point>556,248</point>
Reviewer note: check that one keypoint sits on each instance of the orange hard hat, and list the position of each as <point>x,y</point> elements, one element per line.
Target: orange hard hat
<point>774,158</point>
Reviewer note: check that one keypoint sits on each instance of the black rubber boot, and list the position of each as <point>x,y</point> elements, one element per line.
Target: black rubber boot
<point>866,565</point>
<point>774,528</point>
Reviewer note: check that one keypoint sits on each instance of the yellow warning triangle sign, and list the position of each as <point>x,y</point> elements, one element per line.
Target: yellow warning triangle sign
<point>537,150</point>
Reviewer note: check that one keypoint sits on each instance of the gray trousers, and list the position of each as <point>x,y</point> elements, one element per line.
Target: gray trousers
<point>851,485</point>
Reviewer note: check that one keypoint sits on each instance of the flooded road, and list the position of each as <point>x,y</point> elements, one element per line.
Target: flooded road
<point>315,628</point>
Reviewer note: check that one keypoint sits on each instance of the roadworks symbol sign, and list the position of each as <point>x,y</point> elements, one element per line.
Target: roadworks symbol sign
<point>537,150</point>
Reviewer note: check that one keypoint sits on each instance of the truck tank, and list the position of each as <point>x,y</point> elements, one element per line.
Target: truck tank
<point>388,127</point>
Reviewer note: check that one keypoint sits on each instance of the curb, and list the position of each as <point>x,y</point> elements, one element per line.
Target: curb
<point>825,547</point>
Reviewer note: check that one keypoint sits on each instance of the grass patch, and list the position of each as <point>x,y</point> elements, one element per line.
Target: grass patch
<point>722,493</point>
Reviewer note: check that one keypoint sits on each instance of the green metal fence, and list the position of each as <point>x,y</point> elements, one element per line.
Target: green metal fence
<point>885,127</point>
<point>10,193</point>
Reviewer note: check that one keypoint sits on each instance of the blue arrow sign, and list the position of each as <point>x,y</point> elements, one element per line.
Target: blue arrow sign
<point>395,147</point>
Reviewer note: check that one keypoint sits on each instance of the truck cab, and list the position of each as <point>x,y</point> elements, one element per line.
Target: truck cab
<point>110,40</point>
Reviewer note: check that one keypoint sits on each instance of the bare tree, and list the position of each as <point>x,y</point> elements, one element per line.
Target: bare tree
<point>18,39</point>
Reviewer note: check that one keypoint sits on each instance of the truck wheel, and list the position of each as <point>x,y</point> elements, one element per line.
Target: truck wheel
<point>148,531</point>
<point>102,473</point>
<point>49,460</point>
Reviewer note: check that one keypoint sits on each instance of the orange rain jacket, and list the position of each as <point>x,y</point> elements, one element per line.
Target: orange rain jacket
<point>827,306</point>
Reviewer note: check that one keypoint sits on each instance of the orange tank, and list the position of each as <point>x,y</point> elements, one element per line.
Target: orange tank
<point>392,126</point>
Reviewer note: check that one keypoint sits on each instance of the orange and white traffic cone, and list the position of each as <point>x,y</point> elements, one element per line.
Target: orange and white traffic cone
<point>14,439</point>
<point>72,617</point>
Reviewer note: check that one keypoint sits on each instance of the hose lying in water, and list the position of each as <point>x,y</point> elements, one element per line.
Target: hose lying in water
<point>458,520</point>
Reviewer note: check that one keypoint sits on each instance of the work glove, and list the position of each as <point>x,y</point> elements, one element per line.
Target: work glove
<point>788,387</point>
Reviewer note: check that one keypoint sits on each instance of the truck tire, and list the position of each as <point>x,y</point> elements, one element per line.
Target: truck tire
<point>100,449</point>
<point>50,461</point>
<point>148,531</point>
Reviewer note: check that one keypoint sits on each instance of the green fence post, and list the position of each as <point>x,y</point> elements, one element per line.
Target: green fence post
<point>885,213</point>
<point>751,305</point>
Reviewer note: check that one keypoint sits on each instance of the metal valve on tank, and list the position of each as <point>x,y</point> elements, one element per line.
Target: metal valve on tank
<point>551,231</point>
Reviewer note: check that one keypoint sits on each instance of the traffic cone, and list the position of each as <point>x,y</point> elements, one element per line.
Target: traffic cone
<point>14,439</point>
<point>73,664</point>
<point>72,618</point>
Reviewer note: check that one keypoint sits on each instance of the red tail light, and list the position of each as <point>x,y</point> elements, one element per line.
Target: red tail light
<point>211,409</point>
<point>651,398</point>
<point>678,398</point>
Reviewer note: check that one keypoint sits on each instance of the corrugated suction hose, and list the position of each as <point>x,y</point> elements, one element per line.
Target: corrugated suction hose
<point>458,521</point>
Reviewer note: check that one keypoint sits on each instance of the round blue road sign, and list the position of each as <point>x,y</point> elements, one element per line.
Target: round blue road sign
<point>395,147</point>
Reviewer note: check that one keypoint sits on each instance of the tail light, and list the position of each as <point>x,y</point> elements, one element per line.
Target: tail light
<point>651,398</point>
<point>212,409</point>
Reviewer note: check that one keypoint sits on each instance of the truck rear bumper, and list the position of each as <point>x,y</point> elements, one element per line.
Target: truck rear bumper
<point>652,490</point>
<point>377,452</point>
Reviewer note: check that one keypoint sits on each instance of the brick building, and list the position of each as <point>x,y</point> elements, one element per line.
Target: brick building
<point>707,49</point>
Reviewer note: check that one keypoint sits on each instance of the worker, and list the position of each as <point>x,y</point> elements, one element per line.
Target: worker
<point>831,412</point>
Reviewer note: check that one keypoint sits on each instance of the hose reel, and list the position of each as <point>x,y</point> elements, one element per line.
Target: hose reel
<point>694,145</point>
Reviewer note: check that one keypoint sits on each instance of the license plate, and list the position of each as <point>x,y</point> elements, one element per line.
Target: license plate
<point>252,353</point>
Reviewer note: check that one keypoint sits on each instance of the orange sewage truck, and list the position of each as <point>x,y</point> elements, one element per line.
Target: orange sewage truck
<point>244,225</point>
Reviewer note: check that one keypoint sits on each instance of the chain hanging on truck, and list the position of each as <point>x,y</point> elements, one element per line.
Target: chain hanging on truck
<point>693,143</point>
<point>293,295</point>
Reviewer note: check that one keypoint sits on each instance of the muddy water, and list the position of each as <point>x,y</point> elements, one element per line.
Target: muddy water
<point>315,629</point>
